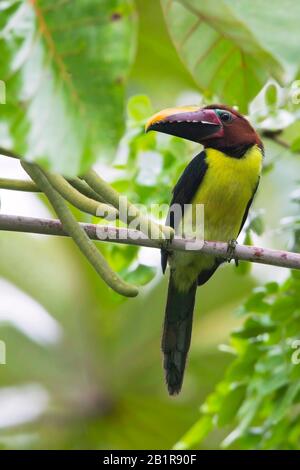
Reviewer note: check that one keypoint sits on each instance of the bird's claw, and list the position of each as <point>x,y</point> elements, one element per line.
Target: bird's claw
<point>231,250</point>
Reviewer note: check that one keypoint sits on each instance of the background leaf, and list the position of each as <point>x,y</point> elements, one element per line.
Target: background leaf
<point>227,46</point>
<point>65,65</point>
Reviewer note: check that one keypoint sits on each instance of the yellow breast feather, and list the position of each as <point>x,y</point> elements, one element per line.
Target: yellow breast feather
<point>226,189</point>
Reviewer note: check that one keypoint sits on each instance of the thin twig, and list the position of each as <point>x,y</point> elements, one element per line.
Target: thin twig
<point>9,153</point>
<point>254,254</point>
<point>275,136</point>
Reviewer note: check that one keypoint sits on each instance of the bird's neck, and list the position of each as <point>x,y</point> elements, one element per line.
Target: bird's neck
<point>237,151</point>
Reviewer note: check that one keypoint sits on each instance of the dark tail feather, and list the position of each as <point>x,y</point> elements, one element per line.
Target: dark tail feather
<point>177,334</point>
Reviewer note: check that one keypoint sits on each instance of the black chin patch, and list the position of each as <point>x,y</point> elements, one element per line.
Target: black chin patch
<point>194,131</point>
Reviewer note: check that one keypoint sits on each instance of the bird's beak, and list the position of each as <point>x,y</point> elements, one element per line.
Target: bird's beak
<point>189,122</point>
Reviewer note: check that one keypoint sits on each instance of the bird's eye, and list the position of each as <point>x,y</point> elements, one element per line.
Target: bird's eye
<point>225,116</point>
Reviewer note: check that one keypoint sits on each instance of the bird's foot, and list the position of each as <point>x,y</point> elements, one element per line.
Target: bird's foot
<point>231,250</point>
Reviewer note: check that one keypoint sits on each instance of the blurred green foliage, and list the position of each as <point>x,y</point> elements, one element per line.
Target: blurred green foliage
<point>227,47</point>
<point>99,383</point>
<point>260,393</point>
<point>65,68</point>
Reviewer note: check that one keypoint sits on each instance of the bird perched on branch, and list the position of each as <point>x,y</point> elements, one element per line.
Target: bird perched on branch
<point>223,178</point>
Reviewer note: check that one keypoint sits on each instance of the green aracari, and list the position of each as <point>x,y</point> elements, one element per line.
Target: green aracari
<point>224,178</point>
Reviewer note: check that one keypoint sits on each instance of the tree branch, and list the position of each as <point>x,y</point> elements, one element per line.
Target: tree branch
<point>9,153</point>
<point>275,136</point>
<point>254,254</point>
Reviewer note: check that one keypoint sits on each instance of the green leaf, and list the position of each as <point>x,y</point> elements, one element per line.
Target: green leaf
<point>272,287</point>
<point>141,275</point>
<point>196,434</point>
<point>243,268</point>
<point>271,95</point>
<point>227,46</point>
<point>279,35</point>
<point>256,303</point>
<point>246,414</point>
<point>295,146</point>
<point>257,223</point>
<point>139,108</point>
<point>231,403</point>
<point>65,65</point>
<point>283,308</point>
<point>248,238</point>
<point>255,326</point>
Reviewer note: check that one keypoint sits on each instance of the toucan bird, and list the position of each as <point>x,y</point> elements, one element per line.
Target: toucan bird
<point>224,178</point>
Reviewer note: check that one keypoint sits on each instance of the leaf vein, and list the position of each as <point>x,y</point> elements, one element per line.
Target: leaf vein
<point>45,32</point>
